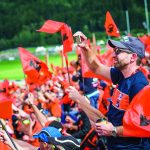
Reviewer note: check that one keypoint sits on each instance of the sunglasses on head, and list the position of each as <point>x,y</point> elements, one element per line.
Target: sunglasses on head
<point>120,50</point>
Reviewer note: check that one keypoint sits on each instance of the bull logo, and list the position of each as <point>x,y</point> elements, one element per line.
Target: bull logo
<point>35,65</point>
<point>144,121</point>
<point>65,37</point>
<point>110,28</point>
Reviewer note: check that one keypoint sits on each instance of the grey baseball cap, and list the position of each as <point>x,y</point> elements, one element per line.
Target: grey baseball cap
<point>131,43</point>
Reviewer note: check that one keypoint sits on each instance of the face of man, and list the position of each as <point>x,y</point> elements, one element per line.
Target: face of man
<point>122,58</point>
<point>46,146</point>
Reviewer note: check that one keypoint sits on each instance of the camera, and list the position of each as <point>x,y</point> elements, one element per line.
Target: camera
<point>78,39</point>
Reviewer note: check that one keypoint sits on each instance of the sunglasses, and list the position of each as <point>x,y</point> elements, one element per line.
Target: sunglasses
<point>120,50</point>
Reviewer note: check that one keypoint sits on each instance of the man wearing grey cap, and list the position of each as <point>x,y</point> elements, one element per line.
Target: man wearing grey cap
<point>129,80</point>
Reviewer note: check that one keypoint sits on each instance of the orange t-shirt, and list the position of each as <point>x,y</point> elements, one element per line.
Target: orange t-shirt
<point>37,128</point>
<point>54,108</point>
<point>4,146</point>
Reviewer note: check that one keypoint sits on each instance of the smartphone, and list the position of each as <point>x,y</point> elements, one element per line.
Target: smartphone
<point>78,39</point>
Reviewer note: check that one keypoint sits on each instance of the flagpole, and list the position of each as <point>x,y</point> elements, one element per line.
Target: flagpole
<point>66,59</point>
<point>147,18</point>
<point>127,20</point>
<point>47,58</point>
<point>62,58</point>
<point>8,135</point>
<point>26,83</point>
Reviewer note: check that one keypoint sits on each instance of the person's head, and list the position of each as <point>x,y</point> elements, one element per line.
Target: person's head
<point>127,51</point>
<point>44,136</point>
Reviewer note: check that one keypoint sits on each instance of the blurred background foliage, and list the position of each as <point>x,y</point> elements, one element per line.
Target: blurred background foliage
<point>19,19</point>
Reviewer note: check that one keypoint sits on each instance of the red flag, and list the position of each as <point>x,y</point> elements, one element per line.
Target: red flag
<point>110,26</point>
<point>4,86</point>
<point>51,26</point>
<point>62,58</point>
<point>4,146</point>
<point>5,106</point>
<point>145,39</point>
<point>65,100</point>
<point>136,120</point>
<point>67,38</point>
<point>36,70</point>
<point>87,73</point>
<point>106,58</point>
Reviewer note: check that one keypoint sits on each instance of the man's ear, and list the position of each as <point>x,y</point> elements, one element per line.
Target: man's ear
<point>133,57</point>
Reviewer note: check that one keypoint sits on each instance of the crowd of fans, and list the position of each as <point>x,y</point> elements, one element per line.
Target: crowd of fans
<point>45,116</point>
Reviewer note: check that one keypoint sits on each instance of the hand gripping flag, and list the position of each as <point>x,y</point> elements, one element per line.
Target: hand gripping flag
<point>110,26</point>
<point>136,120</point>
<point>36,70</point>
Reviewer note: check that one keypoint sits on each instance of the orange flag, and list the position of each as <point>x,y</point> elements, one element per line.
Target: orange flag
<point>6,100</point>
<point>110,26</point>
<point>87,73</point>
<point>136,120</point>
<point>52,27</point>
<point>5,106</point>
<point>67,38</point>
<point>4,86</point>
<point>4,146</point>
<point>36,70</point>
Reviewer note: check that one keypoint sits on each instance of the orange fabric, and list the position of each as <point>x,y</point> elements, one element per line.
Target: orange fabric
<point>67,38</point>
<point>106,58</point>
<point>5,106</point>
<point>103,100</point>
<point>37,128</point>
<point>145,39</point>
<point>110,26</point>
<point>136,120</point>
<point>87,73</point>
<point>65,100</point>
<point>120,100</point>
<point>37,71</point>
<point>54,108</point>
<point>4,146</point>
<point>4,86</point>
<point>148,48</point>
<point>51,26</point>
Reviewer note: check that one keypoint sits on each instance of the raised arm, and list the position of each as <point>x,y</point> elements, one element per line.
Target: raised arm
<point>91,59</point>
<point>91,112</point>
<point>41,118</point>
